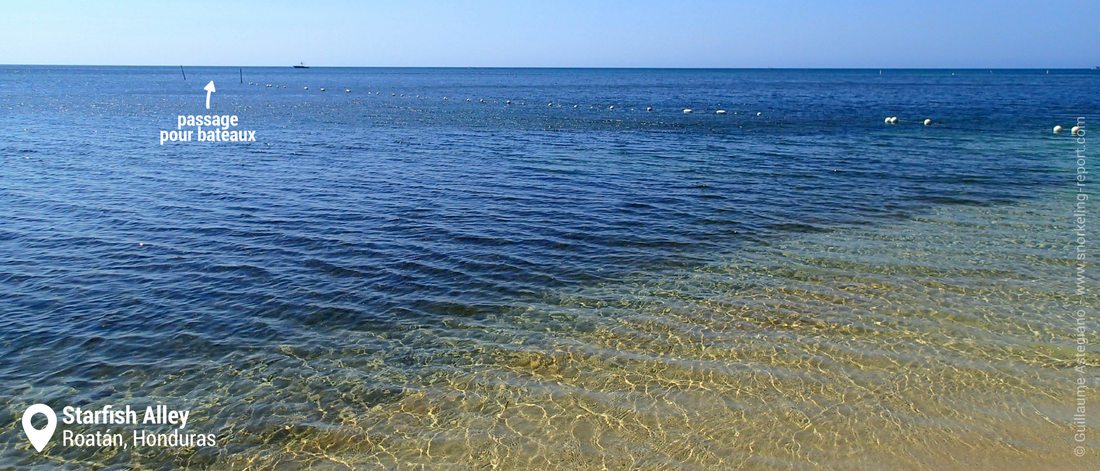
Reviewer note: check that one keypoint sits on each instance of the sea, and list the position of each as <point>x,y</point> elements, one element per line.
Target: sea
<point>419,268</point>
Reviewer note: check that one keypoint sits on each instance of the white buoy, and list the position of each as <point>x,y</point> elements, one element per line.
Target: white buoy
<point>893,120</point>
<point>507,102</point>
<point>1077,130</point>
<point>347,90</point>
<point>927,121</point>
<point>611,107</point>
<point>1057,129</point>
<point>550,104</point>
<point>886,120</point>
<point>322,89</point>
<point>760,113</point>
<point>305,87</point>
<point>720,112</point>
<point>688,111</point>
<point>649,108</point>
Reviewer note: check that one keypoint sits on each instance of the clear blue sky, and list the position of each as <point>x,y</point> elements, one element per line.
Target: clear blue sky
<point>582,33</point>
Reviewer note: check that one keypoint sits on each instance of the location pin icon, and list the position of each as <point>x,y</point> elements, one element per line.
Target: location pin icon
<point>39,437</point>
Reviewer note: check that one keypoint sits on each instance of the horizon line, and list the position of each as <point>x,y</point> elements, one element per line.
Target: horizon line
<point>564,67</point>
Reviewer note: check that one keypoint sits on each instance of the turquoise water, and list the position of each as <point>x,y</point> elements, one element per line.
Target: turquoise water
<point>526,269</point>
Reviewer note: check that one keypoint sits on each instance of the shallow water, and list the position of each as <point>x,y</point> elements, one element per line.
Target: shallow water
<point>392,279</point>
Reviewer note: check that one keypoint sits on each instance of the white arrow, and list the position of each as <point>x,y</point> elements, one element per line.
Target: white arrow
<point>209,89</point>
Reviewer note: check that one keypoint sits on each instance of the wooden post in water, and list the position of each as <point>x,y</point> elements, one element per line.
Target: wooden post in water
<point>242,74</point>
<point>184,73</point>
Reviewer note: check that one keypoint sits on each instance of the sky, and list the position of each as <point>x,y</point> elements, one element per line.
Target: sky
<point>554,33</point>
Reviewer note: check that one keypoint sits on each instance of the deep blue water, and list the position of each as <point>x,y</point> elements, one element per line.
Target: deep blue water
<point>409,201</point>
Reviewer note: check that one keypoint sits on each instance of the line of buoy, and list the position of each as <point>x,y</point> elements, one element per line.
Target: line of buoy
<point>926,122</point>
<point>1075,130</point>
<point>506,102</point>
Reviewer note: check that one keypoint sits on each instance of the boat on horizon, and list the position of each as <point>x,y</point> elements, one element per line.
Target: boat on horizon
<point>301,65</point>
